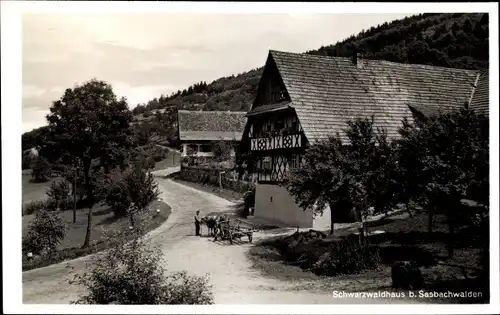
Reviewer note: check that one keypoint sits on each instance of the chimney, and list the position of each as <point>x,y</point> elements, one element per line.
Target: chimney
<point>357,58</point>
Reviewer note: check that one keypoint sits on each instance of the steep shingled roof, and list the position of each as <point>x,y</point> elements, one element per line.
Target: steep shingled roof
<point>211,125</point>
<point>328,91</point>
<point>481,98</point>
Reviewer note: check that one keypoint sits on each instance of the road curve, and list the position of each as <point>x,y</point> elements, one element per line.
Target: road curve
<point>231,275</point>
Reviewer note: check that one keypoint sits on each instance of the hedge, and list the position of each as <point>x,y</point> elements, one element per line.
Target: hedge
<point>210,176</point>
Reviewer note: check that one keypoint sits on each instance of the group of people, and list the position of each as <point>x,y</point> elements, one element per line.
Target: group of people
<point>212,222</point>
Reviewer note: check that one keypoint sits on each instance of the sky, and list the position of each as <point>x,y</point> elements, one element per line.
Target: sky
<point>145,55</point>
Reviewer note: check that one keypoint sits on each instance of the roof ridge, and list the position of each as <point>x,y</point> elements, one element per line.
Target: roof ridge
<point>210,111</point>
<point>374,60</point>
<point>330,90</point>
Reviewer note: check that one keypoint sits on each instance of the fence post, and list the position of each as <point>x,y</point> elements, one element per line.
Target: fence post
<point>220,179</point>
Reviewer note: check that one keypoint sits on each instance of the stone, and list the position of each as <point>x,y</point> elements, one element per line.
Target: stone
<point>407,275</point>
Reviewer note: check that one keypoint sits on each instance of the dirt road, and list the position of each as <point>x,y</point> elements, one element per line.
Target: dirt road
<point>233,279</point>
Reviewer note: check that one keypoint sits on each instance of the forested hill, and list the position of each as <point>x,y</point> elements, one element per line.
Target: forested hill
<point>451,40</point>
<point>446,40</point>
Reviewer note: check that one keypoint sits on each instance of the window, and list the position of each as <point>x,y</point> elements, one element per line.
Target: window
<point>282,95</point>
<point>295,161</point>
<point>266,163</point>
<point>205,148</point>
<point>280,124</point>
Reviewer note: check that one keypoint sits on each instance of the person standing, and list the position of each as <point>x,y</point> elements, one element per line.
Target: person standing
<point>197,223</point>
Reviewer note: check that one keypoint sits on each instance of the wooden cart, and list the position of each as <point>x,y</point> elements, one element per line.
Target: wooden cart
<point>227,230</point>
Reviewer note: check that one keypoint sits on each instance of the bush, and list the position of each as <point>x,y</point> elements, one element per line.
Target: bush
<point>25,161</point>
<point>116,195</point>
<point>142,188</point>
<point>156,153</point>
<point>40,169</point>
<point>59,190</point>
<point>134,185</point>
<point>133,273</point>
<point>34,206</point>
<point>61,204</point>
<point>347,257</point>
<point>45,233</point>
<point>49,204</point>
<point>310,250</point>
<point>184,289</point>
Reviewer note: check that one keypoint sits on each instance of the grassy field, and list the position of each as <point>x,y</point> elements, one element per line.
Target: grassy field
<point>404,239</point>
<point>103,221</point>
<point>34,191</point>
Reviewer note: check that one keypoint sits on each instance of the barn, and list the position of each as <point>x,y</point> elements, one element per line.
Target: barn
<point>198,130</point>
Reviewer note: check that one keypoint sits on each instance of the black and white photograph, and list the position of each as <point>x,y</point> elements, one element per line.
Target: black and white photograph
<point>250,157</point>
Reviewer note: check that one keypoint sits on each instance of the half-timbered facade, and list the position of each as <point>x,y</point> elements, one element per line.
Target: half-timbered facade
<point>304,98</point>
<point>277,141</point>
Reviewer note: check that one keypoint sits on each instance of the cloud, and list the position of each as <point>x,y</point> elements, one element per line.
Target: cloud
<point>30,91</point>
<point>33,118</point>
<point>145,55</point>
<point>136,95</point>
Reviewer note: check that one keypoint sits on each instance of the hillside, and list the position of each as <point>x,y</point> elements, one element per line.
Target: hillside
<point>451,40</point>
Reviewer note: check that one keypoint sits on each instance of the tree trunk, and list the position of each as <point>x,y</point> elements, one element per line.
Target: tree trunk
<point>74,196</point>
<point>429,223</point>
<point>332,219</point>
<point>90,198</point>
<point>132,222</point>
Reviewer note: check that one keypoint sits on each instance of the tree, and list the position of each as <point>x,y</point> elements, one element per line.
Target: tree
<point>451,161</point>
<point>349,178</point>
<point>130,192</point>
<point>142,189</point>
<point>59,192</point>
<point>320,178</point>
<point>382,181</point>
<point>133,273</point>
<point>84,124</point>
<point>73,176</point>
<point>222,149</point>
<point>408,175</point>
